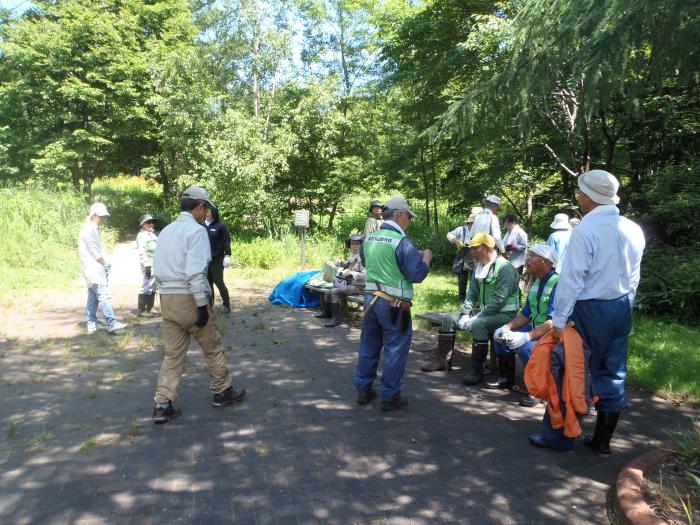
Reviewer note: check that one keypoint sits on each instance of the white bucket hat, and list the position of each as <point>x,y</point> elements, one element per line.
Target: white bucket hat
<point>561,222</point>
<point>546,251</point>
<point>600,186</point>
<point>493,199</point>
<point>99,209</point>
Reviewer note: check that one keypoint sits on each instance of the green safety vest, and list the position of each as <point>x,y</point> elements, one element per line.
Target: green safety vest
<point>538,309</point>
<point>383,272</point>
<point>487,288</point>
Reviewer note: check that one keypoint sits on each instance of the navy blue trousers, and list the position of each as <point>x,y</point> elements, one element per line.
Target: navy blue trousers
<point>379,332</point>
<point>604,326</point>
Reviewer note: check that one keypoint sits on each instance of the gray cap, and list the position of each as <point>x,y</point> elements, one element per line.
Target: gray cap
<point>353,237</point>
<point>197,193</point>
<point>493,199</point>
<point>600,186</point>
<point>374,203</point>
<point>146,217</point>
<point>399,204</point>
<point>546,251</point>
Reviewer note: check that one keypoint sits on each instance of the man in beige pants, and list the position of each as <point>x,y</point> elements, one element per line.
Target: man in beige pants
<point>180,268</point>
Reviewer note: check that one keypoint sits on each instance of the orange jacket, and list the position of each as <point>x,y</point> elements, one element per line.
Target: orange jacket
<point>541,383</point>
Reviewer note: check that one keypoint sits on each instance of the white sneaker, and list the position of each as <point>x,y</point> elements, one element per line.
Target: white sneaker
<point>116,326</point>
<point>91,328</point>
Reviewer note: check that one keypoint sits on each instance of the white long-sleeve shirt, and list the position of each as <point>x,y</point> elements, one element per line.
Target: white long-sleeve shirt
<point>487,222</point>
<point>518,238</point>
<point>89,251</point>
<point>181,259</point>
<point>461,233</point>
<point>602,262</point>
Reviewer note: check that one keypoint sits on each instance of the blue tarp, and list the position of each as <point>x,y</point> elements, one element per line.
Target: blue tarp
<point>291,291</point>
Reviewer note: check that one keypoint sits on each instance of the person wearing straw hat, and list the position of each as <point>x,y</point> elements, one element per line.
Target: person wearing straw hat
<point>374,221</point>
<point>559,238</point>
<point>393,265</point>
<point>520,335</point>
<point>491,302</point>
<point>487,221</point>
<point>146,242</point>
<point>180,266</point>
<point>350,280</point>
<point>95,269</point>
<point>596,292</point>
<point>463,260</point>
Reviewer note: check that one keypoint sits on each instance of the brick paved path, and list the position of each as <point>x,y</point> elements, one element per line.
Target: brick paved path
<point>78,446</point>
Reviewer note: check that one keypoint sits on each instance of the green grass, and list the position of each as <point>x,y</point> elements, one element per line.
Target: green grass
<point>664,357</point>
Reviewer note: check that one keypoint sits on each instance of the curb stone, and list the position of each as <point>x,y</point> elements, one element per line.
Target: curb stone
<point>630,506</point>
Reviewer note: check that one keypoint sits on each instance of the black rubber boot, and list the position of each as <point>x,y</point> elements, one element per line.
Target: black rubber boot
<point>506,374</point>
<point>605,425</point>
<point>446,343</point>
<point>475,373</point>
<point>150,302</point>
<point>335,316</point>
<point>143,304</point>
<point>325,312</point>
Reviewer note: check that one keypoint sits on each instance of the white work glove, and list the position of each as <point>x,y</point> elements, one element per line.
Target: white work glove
<point>227,261</point>
<point>466,322</point>
<point>517,339</point>
<point>501,333</point>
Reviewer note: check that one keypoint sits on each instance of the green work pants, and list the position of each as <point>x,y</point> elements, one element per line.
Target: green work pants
<point>482,328</point>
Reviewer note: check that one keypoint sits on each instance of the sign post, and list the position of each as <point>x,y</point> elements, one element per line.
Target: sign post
<point>301,221</point>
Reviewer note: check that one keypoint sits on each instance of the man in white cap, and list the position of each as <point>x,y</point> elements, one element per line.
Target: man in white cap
<point>559,238</point>
<point>520,335</point>
<point>596,291</point>
<point>464,262</point>
<point>180,267</point>
<point>95,269</point>
<point>393,264</point>
<point>487,221</point>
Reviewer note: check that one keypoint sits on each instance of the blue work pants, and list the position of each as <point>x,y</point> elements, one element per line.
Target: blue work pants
<point>378,331</point>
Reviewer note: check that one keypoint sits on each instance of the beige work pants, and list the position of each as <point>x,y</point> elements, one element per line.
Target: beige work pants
<point>179,313</point>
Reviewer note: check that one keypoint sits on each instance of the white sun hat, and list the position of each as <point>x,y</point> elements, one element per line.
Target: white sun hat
<point>600,186</point>
<point>561,222</point>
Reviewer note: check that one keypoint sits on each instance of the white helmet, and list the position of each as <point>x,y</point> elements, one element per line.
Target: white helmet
<point>99,209</point>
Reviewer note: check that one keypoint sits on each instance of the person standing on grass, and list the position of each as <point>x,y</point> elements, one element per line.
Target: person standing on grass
<point>559,238</point>
<point>146,242</point>
<point>180,266</point>
<point>515,243</point>
<point>95,269</point>
<point>392,265</point>
<point>487,221</point>
<point>374,221</point>
<point>596,291</point>
<point>464,261</point>
<point>220,241</point>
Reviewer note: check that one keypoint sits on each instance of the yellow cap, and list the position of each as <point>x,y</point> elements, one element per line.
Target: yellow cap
<point>482,238</point>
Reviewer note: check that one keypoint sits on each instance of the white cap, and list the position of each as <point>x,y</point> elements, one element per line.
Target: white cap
<point>197,193</point>
<point>546,251</point>
<point>561,222</point>
<point>476,210</point>
<point>400,204</point>
<point>99,209</point>
<point>493,199</point>
<point>600,186</point>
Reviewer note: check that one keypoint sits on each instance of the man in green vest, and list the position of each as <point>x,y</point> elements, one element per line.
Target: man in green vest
<point>393,264</point>
<point>534,320</point>
<point>491,302</point>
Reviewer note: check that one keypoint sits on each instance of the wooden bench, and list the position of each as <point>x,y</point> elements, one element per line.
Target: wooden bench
<point>322,291</point>
<point>436,318</point>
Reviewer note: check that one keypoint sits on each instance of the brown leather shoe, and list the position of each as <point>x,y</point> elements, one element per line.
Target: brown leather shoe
<point>366,397</point>
<point>228,397</point>
<point>164,414</point>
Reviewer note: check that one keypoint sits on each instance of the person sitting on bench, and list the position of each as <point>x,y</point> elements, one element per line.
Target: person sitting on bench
<point>350,280</point>
<point>492,301</point>
<point>535,319</point>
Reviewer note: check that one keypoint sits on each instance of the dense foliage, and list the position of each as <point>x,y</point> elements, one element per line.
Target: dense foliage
<point>276,105</point>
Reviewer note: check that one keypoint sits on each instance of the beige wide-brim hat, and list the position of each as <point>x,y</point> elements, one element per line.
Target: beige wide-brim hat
<point>600,186</point>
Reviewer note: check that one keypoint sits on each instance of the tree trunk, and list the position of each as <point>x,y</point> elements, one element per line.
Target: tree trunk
<point>435,190</point>
<point>331,217</point>
<point>164,179</point>
<point>528,226</point>
<point>426,188</point>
